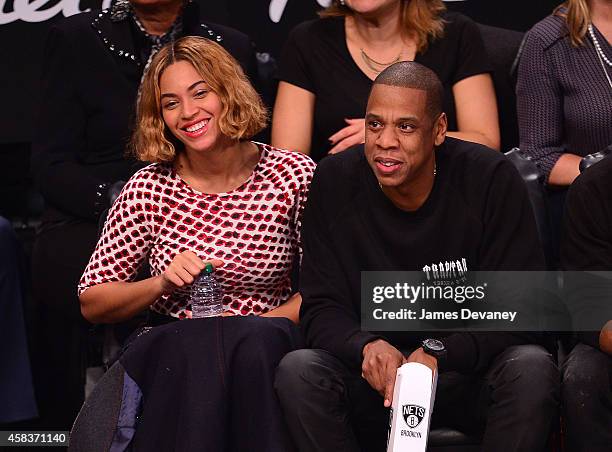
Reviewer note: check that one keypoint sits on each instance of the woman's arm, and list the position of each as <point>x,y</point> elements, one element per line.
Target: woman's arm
<point>476,108</point>
<point>289,309</point>
<point>565,170</point>
<point>116,301</point>
<point>539,105</point>
<point>292,119</point>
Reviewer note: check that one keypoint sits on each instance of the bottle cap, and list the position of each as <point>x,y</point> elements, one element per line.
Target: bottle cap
<point>208,268</point>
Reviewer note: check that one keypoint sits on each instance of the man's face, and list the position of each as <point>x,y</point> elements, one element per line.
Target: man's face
<point>400,136</point>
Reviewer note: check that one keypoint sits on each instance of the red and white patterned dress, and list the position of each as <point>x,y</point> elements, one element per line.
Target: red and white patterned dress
<point>254,229</point>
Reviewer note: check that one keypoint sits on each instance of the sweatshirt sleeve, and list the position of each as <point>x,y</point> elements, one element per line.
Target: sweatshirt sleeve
<point>327,315</point>
<point>511,243</point>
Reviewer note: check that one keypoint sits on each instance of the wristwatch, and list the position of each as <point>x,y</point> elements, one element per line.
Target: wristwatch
<point>434,347</point>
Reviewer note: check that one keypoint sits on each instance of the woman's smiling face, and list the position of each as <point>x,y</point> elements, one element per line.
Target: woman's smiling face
<point>189,108</point>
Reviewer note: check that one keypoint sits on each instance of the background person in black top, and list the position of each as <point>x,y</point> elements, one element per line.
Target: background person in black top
<point>586,245</point>
<point>326,72</point>
<point>401,206</point>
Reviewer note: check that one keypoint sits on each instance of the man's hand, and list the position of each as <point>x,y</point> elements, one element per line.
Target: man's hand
<point>349,136</point>
<point>419,356</point>
<point>380,363</point>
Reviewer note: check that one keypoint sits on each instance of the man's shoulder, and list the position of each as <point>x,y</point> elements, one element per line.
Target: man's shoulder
<point>469,156</point>
<point>473,170</point>
<point>339,177</point>
<point>344,165</point>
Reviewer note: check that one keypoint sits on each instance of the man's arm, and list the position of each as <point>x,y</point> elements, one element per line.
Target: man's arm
<point>510,242</point>
<point>328,316</point>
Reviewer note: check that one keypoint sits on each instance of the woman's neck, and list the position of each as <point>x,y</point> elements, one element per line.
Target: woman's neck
<point>601,17</point>
<point>218,170</point>
<point>601,10</point>
<point>157,20</point>
<point>378,30</point>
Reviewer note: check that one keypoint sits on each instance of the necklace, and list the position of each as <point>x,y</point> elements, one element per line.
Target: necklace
<point>600,54</point>
<point>600,51</point>
<point>377,66</point>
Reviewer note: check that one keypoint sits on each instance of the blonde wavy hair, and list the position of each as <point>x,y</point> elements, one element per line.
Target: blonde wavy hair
<point>243,114</point>
<point>577,18</point>
<point>421,17</point>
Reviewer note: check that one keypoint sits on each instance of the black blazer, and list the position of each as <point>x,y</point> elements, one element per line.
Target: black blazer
<point>91,74</point>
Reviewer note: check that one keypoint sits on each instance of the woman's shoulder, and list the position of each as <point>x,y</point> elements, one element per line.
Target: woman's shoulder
<point>455,18</point>
<point>549,30</point>
<point>292,164</point>
<point>152,174</point>
<point>317,29</point>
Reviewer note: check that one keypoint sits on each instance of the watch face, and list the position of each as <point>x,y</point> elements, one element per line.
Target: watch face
<point>434,344</point>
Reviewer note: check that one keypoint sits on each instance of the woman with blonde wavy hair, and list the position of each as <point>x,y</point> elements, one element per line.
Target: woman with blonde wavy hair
<point>328,65</point>
<point>210,196</point>
<point>564,89</point>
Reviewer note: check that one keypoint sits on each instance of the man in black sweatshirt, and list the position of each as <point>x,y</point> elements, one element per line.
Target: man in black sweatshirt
<point>412,198</point>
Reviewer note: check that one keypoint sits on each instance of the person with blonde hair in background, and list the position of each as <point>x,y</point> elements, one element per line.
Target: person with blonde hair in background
<point>210,196</point>
<point>564,95</point>
<point>565,88</point>
<point>328,65</point>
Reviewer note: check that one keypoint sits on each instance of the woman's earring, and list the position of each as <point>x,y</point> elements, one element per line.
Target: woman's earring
<point>343,2</point>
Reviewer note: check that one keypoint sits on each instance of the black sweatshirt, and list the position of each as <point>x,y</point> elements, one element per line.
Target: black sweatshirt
<point>478,210</point>
<point>586,243</point>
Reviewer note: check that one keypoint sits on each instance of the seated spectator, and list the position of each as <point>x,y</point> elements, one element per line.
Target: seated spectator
<point>328,65</point>
<point>17,401</point>
<point>564,90</point>
<point>587,372</point>
<point>413,198</point>
<point>211,195</point>
<point>564,96</point>
<point>93,65</point>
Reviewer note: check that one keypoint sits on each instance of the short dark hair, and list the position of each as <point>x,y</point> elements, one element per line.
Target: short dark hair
<point>408,74</point>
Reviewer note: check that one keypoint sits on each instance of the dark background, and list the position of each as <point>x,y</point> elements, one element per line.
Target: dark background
<point>22,41</point>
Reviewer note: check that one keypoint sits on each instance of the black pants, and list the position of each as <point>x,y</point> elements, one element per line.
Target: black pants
<point>60,348</point>
<point>331,408</point>
<point>587,400</point>
<point>207,384</point>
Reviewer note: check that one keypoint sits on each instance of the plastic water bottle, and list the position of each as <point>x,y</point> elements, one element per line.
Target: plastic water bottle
<point>206,296</point>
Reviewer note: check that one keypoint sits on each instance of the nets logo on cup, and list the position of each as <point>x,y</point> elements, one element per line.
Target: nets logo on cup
<point>413,415</point>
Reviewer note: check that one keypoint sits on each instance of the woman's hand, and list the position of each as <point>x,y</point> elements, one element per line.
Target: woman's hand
<point>351,135</point>
<point>183,270</point>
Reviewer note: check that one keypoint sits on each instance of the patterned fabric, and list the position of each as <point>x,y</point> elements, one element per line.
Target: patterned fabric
<point>564,101</point>
<point>254,229</point>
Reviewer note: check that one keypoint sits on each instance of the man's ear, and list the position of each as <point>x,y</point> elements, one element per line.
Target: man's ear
<point>440,129</point>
